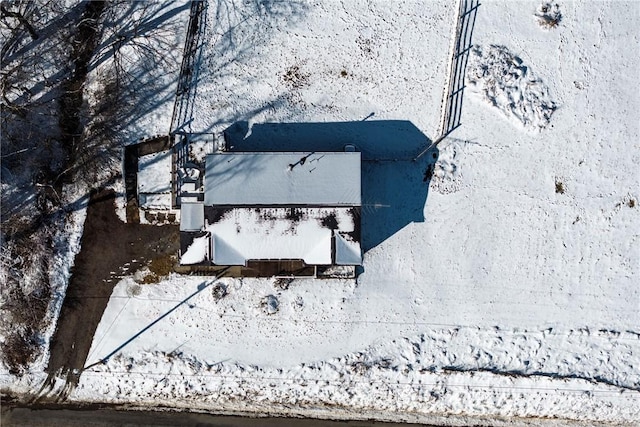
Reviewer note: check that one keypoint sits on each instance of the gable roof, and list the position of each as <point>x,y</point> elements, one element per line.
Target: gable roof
<point>277,179</point>
<point>347,251</point>
<point>243,235</point>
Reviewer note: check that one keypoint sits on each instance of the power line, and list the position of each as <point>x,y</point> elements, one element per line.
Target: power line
<point>401,298</point>
<point>544,292</point>
<point>592,330</point>
<point>414,323</point>
<point>106,333</point>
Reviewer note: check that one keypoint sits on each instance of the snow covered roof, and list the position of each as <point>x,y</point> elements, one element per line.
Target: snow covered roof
<point>155,200</point>
<point>271,178</point>
<point>313,247</point>
<point>347,251</point>
<point>197,252</point>
<point>154,173</point>
<point>244,234</point>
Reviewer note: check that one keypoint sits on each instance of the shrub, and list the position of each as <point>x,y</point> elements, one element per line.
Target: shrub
<point>548,15</point>
<point>219,291</point>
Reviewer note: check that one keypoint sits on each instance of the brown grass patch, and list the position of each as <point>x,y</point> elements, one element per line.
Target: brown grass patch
<point>160,267</point>
<point>295,78</point>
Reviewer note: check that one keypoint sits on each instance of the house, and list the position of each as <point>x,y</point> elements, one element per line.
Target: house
<point>275,213</point>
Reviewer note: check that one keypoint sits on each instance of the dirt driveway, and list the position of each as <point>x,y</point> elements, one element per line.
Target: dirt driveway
<point>109,247</point>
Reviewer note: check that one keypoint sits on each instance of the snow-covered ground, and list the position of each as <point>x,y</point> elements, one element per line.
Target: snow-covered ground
<point>507,287</point>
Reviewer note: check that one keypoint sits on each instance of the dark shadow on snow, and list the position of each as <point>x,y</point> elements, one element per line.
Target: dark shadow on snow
<point>394,186</point>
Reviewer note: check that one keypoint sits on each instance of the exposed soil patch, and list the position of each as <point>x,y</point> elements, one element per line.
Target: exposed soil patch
<point>108,245</point>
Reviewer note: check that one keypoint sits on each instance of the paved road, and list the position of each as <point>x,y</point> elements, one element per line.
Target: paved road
<point>111,417</point>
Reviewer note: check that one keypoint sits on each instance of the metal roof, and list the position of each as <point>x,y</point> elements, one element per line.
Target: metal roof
<point>273,179</point>
<point>191,216</point>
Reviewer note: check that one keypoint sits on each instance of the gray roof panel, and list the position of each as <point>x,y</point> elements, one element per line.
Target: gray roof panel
<point>191,216</point>
<point>272,179</point>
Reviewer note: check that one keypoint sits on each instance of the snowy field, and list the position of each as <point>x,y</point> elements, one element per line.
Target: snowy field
<point>506,287</point>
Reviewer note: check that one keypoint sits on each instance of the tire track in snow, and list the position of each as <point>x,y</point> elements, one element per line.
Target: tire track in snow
<point>520,374</point>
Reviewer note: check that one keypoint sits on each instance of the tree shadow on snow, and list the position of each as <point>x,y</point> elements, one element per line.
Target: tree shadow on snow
<point>395,184</point>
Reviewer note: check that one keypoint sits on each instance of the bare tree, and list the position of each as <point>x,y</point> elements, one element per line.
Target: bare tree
<point>38,39</point>
<point>15,16</point>
<point>138,38</point>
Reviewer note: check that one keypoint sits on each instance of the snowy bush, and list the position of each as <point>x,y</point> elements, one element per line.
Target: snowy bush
<point>501,79</point>
<point>219,291</point>
<point>24,295</point>
<point>548,15</point>
<point>282,282</point>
